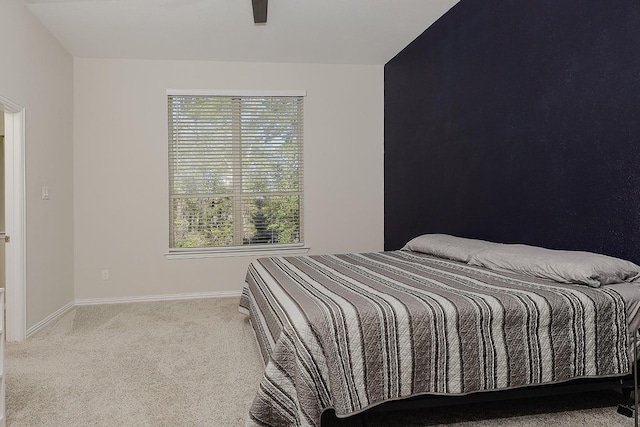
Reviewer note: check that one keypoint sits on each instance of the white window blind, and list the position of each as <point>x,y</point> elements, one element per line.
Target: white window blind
<point>235,171</point>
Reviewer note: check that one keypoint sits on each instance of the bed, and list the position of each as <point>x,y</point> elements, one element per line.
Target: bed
<point>444,316</point>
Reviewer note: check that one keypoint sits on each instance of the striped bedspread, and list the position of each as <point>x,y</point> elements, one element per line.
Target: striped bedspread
<point>354,330</point>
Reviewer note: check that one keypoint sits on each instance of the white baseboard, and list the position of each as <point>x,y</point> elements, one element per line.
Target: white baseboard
<point>149,298</point>
<point>53,317</point>
<point>123,300</point>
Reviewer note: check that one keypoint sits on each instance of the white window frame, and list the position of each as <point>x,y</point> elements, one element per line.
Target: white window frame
<point>245,250</point>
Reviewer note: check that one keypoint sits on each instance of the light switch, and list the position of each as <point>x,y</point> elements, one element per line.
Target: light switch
<point>45,193</point>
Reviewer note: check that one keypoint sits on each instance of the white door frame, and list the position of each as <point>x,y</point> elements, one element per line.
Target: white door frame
<point>15,220</point>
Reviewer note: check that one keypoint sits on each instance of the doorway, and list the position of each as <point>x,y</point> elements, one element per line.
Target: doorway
<point>14,219</point>
<point>2,230</point>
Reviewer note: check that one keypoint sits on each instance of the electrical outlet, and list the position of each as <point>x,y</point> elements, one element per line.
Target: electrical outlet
<point>105,274</point>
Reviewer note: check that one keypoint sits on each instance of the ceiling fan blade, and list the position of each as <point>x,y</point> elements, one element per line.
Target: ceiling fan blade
<point>259,11</point>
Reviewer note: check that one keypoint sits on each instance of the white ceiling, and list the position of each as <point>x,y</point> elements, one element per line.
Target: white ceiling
<point>310,31</point>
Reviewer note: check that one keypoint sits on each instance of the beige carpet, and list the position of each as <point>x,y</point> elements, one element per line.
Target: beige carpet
<point>195,363</point>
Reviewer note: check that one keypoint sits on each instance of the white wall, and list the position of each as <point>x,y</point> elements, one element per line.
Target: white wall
<point>120,168</point>
<point>37,73</point>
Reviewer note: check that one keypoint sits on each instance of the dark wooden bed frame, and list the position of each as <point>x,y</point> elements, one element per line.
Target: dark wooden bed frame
<point>626,384</point>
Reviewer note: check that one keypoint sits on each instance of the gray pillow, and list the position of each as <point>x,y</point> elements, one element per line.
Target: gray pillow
<point>446,246</point>
<point>561,266</point>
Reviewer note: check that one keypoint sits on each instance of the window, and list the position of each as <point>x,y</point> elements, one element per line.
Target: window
<point>235,172</point>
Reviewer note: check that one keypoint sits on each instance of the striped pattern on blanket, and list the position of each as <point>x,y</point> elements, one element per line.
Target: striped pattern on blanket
<point>354,330</point>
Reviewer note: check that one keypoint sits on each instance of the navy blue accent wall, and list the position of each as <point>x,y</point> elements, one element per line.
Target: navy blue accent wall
<point>518,121</point>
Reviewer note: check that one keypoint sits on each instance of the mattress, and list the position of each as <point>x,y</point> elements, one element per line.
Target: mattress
<point>352,331</point>
<point>630,293</point>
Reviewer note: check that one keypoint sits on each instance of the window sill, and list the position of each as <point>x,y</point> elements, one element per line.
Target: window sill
<point>194,253</point>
